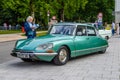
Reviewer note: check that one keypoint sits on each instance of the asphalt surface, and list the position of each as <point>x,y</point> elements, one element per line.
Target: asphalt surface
<point>5,50</point>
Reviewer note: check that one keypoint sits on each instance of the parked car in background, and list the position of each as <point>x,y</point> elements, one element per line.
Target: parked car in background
<point>102,31</point>
<point>105,33</point>
<point>63,41</point>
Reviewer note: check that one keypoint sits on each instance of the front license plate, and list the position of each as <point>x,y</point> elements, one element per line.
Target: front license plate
<point>21,55</point>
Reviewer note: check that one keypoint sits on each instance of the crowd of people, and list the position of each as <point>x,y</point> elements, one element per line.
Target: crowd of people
<point>114,27</point>
<point>29,27</point>
<point>7,26</point>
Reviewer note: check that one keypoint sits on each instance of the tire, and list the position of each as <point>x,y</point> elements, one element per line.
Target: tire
<point>103,51</point>
<point>106,37</point>
<point>62,57</point>
<point>26,60</point>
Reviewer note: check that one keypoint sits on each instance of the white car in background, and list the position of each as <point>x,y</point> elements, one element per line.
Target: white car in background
<point>103,32</point>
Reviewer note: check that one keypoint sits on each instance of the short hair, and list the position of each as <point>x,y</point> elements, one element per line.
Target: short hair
<point>29,18</point>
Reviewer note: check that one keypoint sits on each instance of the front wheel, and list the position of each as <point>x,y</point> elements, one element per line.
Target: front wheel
<point>62,57</point>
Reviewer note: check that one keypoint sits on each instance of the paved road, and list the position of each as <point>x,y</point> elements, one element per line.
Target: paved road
<point>91,67</point>
<point>5,50</point>
<point>11,37</point>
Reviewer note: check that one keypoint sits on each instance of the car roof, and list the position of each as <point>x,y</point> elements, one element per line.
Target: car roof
<point>71,23</point>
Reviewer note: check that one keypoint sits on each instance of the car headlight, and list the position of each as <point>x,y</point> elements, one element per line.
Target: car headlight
<point>45,46</point>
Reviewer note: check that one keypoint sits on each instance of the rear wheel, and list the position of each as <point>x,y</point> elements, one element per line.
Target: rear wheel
<point>106,37</point>
<point>62,57</point>
<point>26,60</point>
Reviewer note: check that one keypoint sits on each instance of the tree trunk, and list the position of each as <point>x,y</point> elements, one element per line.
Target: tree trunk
<point>32,9</point>
<point>62,14</point>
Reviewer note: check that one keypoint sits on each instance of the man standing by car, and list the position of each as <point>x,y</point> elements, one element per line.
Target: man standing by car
<point>30,28</point>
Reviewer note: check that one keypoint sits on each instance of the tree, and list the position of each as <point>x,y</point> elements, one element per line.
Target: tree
<point>92,8</point>
<point>16,11</point>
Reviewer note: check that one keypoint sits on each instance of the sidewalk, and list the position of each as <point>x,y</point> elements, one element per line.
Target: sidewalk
<point>11,37</point>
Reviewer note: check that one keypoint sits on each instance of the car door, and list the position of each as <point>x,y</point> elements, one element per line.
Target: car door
<point>94,39</point>
<point>81,40</point>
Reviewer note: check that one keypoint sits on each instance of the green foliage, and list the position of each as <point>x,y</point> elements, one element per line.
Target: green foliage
<point>16,11</point>
<point>93,7</point>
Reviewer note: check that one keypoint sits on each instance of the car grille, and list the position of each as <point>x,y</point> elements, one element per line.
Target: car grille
<point>23,51</point>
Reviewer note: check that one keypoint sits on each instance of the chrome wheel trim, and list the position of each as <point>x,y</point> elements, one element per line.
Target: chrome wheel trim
<point>62,55</point>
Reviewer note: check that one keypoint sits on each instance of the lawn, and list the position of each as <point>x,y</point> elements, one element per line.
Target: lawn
<point>9,31</point>
<point>42,33</point>
<point>39,33</point>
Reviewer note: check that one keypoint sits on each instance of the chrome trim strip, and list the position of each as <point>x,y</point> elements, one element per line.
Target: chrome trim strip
<point>46,54</point>
<point>42,54</point>
<point>90,48</point>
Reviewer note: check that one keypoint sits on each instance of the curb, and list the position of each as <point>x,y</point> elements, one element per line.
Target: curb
<point>7,41</point>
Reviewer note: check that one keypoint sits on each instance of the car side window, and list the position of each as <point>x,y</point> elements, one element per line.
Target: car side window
<point>81,30</point>
<point>91,31</point>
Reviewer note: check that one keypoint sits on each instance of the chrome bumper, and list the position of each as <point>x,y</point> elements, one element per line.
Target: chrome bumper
<point>36,54</point>
<point>33,55</point>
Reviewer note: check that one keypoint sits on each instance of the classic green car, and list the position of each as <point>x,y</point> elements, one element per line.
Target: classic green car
<point>63,41</point>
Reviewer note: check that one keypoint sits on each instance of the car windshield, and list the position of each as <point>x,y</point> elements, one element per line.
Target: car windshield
<point>62,29</point>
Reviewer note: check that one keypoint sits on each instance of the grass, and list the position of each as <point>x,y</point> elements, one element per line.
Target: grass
<point>9,31</point>
<point>41,33</point>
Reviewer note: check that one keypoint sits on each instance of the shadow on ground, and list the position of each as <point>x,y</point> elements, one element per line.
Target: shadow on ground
<point>20,63</point>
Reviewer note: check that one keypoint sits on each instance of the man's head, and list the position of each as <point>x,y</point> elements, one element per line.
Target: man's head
<point>29,19</point>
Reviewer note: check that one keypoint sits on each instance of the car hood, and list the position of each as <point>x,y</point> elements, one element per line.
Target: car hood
<point>31,44</point>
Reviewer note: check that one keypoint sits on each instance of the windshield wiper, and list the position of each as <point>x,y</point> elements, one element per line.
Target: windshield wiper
<point>55,33</point>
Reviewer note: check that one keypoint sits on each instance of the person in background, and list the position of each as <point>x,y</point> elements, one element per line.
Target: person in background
<point>16,26</point>
<point>96,24</point>
<point>5,26</point>
<point>113,28</point>
<point>119,28</point>
<point>105,25</point>
<point>52,22</point>
<point>10,27</point>
<point>30,28</point>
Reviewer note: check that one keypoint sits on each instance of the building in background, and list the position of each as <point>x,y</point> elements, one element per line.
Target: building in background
<point>117,11</point>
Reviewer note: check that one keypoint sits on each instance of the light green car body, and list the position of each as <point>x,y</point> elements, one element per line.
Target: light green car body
<point>77,45</point>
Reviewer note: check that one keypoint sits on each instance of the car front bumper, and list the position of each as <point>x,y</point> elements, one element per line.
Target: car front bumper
<point>34,56</point>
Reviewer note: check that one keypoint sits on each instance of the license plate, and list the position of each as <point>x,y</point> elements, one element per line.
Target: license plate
<point>23,55</point>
